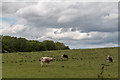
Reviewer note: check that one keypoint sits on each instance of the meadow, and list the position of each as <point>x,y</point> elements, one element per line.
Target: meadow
<point>82,63</point>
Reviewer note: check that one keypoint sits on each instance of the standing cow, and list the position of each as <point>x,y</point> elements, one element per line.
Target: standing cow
<point>109,58</point>
<point>46,60</point>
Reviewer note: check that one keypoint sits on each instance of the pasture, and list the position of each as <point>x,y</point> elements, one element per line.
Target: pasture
<point>82,63</point>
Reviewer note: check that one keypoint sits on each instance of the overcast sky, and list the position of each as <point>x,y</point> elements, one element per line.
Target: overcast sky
<point>77,24</point>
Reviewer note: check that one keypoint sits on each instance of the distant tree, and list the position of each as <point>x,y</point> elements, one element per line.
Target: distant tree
<point>42,47</point>
<point>60,46</point>
<point>50,45</point>
<point>67,47</point>
<point>14,44</point>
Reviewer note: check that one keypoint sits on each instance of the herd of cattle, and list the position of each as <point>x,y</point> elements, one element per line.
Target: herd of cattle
<point>49,59</point>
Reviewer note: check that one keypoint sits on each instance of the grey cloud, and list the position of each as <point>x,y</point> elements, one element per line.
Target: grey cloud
<point>84,17</point>
<point>9,8</point>
<point>76,16</point>
<point>77,37</point>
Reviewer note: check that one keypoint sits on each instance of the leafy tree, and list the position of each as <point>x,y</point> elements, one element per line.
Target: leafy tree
<point>50,45</point>
<point>14,44</point>
<point>60,46</point>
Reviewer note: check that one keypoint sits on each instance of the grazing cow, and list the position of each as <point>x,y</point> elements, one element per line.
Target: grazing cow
<point>109,58</point>
<point>64,56</point>
<point>46,60</point>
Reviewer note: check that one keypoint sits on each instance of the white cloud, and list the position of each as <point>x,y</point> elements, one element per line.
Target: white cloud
<point>85,16</point>
<point>56,33</point>
<point>8,29</point>
<point>111,16</point>
<point>74,23</point>
<point>66,19</point>
<point>18,28</point>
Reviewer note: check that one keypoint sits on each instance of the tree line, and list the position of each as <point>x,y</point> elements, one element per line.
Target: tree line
<point>14,44</point>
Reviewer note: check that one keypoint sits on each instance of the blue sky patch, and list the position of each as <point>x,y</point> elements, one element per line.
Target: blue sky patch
<point>9,20</point>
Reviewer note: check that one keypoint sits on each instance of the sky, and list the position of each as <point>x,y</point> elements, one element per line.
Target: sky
<point>74,23</point>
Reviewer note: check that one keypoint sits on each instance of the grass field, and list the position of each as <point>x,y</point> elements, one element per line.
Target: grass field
<point>82,63</point>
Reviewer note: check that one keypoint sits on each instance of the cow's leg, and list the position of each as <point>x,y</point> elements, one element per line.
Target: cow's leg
<point>108,59</point>
<point>47,63</point>
<point>41,63</point>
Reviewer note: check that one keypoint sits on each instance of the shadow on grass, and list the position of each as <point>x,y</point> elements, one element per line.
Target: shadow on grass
<point>104,64</point>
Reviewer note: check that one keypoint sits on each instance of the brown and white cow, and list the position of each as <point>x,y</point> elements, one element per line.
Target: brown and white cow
<point>46,60</point>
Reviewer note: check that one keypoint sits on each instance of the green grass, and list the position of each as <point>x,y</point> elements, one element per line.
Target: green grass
<point>82,63</point>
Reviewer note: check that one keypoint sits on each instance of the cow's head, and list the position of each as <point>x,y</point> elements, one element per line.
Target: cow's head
<point>52,59</point>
